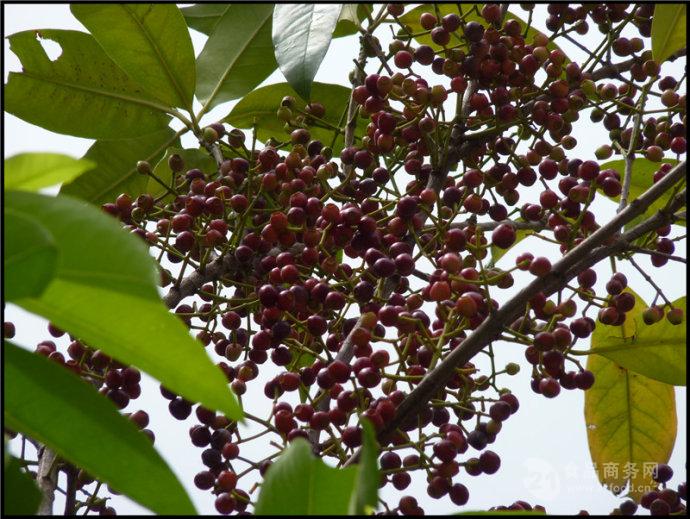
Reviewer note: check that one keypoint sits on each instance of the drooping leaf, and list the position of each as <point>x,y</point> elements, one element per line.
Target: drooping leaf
<point>116,170</point>
<point>657,351</point>
<point>350,17</point>
<point>22,497</point>
<point>30,256</point>
<point>150,42</point>
<point>260,106</point>
<point>238,54</point>
<point>631,425</point>
<point>33,171</point>
<point>301,36</point>
<point>668,30</point>
<point>299,483</point>
<point>53,406</point>
<point>641,180</point>
<point>105,294</point>
<point>83,92</point>
<point>203,17</point>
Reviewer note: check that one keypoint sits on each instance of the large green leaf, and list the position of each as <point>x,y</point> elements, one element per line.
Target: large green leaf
<point>657,351</point>
<point>299,483</point>
<point>260,106</point>
<point>116,170</point>
<point>301,35</point>
<point>104,292</point>
<point>30,256</point>
<point>641,180</point>
<point>33,171</point>
<point>81,93</point>
<point>631,425</point>
<point>238,54</point>
<point>22,497</point>
<point>150,42</point>
<point>350,18</point>
<point>53,406</point>
<point>203,17</point>
<point>668,30</point>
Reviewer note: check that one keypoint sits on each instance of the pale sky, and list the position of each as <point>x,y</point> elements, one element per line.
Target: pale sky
<point>543,448</point>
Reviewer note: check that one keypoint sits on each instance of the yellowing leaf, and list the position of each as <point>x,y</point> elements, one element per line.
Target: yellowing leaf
<point>657,351</point>
<point>631,425</point>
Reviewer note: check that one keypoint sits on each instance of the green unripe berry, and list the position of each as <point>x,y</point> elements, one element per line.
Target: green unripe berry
<point>284,114</point>
<point>327,152</point>
<point>143,167</point>
<point>588,87</point>
<point>210,135</point>
<point>512,368</point>
<point>603,152</point>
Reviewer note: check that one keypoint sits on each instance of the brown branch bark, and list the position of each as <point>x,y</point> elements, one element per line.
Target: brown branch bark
<point>193,282</point>
<point>600,245</point>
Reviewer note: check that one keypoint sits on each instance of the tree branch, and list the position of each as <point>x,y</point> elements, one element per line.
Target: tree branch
<point>592,250</point>
<point>46,479</point>
<point>611,70</point>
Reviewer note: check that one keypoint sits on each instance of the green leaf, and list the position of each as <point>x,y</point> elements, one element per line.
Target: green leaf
<point>238,54</point>
<point>630,419</point>
<point>150,42</point>
<point>368,476</point>
<point>33,171</point>
<point>30,256</point>
<point>22,495</point>
<point>53,406</point>
<point>641,180</point>
<point>301,36</point>
<point>260,106</point>
<point>106,295</point>
<point>203,17</point>
<point>116,168</point>
<point>350,18</point>
<point>657,351</point>
<point>668,30</point>
<point>299,483</point>
<point>81,93</point>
